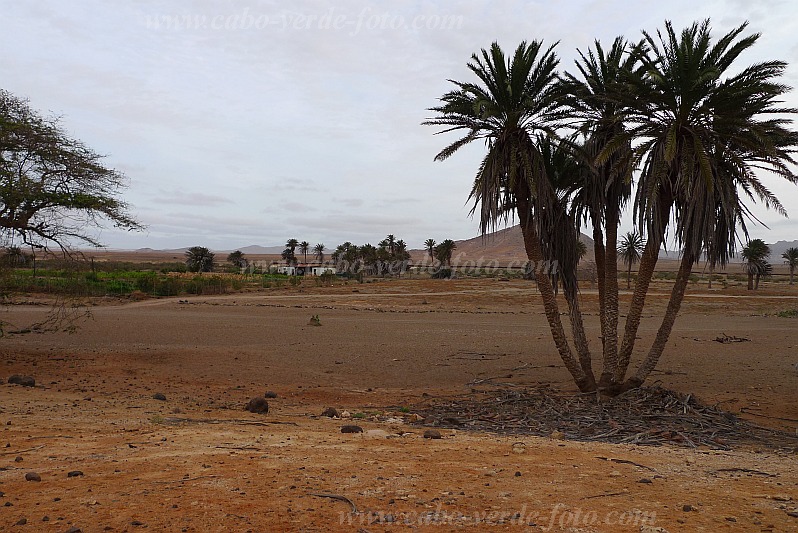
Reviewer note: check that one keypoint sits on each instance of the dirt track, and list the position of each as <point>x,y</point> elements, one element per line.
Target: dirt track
<point>378,350</point>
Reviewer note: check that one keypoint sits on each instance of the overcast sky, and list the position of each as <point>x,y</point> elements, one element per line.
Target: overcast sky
<point>244,123</point>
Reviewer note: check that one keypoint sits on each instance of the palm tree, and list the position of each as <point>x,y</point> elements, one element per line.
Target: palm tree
<point>199,259</point>
<point>514,99</point>
<point>705,131</point>
<point>292,244</point>
<point>790,257</point>
<point>581,249</point>
<point>595,101</point>
<point>390,243</point>
<point>630,250</point>
<point>444,251</point>
<point>755,254</point>
<point>318,252</point>
<point>429,244</point>
<point>304,248</point>
<point>237,259</point>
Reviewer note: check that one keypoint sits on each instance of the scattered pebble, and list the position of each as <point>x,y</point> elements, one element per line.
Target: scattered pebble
<point>432,434</point>
<point>351,429</point>
<point>22,521</point>
<point>258,405</point>
<point>159,396</point>
<point>645,480</point>
<point>687,508</point>
<point>32,476</point>
<point>74,473</point>
<point>74,529</point>
<point>270,394</point>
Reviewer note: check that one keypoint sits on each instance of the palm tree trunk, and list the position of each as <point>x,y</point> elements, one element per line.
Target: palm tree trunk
<point>599,254</point>
<point>629,277</point>
<point>756,282</point>
<point>750,281</point>
<point>578,331</point>
<point>648,261</point>
<point>610,303</point>
<point>792,273</point>
<point>585,382</point>
<point>664,332</point>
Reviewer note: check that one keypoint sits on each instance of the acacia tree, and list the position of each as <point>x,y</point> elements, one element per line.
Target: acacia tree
<point>53,189</point>
<point>694,133</point>
<point>790,257</point>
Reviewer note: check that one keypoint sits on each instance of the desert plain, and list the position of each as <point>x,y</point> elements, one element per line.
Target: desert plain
<point>383,352</point>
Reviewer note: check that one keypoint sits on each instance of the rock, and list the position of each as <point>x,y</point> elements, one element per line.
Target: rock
<point>25,381</point>
<point>22,521</point>
<point>270,394</point>
<point>346,414</point>
<point>519,447</point>
<point>557,435</point>
<point>518,474</point>
<point>331,412</point>
<point>74,473</point>
<point>258,405</point>
<point>652,529</point>
<point>137,523</point>
<point>687,508</point>
<point>18,459</point>
<point>351,429</point>
<point>432,434</point>
<point>32,476</point>
<point>74,529</point>
<point>159,396</point>
<point>645,480</point>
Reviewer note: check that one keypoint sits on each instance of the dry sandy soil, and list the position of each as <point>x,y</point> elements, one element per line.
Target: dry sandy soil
<point>198,462</point>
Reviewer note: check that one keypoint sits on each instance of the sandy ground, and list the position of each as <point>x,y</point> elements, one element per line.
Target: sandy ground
<point>199,462</point>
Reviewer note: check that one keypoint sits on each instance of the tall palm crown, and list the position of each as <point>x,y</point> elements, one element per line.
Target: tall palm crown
<point>304,248</point>
<point>704,132</point>
<point>292,244</point>
<point>514,99</point>
<point>630,251</point>
<point>755,255</point>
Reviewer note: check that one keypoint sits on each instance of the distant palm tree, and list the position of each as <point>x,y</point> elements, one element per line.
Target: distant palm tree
<point>318,252</point>
<point>755,254</point>
<point>630,250</point>
<point>390,242</point>
<point>790,257</point>
<point>443,252</point>
<point>304,247</point>
<point>429,244</point>
<point>237,259</point>
<point>292,244</point>
<point>581,249</point>
<point>199,259</point>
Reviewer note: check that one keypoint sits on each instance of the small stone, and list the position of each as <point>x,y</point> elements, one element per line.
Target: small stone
<point>17,459</point>
<point>432,434</point>
<point>270,394</point>
<point>258,405</point>
<point>518,474</point>
<point>519,447</point>
<point>731,519</point>
<point>74,473</point>
<point>645,480</point>
<point>159,396</point>
<point>351,429</point>
<point>793,514</point>
<point>74,529</point>
<point>22,521</point>
<point>32,476</point>
<point>331,412</point>
<point>25,381</point>
<point>45,518</point>
<point>137,523</point>
<point>687,508</point>
<point>346,414</point>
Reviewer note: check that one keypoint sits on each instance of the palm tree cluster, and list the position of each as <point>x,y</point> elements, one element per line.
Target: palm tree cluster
<point>755,262</point>
<point>443,252</point>
<point>390,256</point>
<point>291,247</point>
<point>671,126</point>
